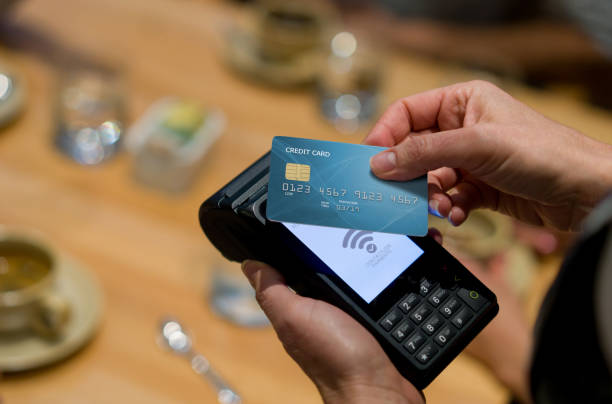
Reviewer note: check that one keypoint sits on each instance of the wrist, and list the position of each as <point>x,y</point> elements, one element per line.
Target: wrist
<point>518,384</point>
<point>511,366</point>
<point>505,349</point>
<point>596,180</point>
<point>363,394</point>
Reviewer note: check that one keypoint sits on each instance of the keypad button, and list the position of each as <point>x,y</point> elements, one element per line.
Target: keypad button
<point>444,335</point>
<point>462,317</point>
<point>420,313</point>
<point>450,307</point>
<point>403,330</point>
<point>426,353</point>
<point>409,302</point>
<point>414,342</point>
<point>438,297</point>
<point>472,298</point>
<point>425,287</point>
<point>432,324</point>
<point>391,319</point>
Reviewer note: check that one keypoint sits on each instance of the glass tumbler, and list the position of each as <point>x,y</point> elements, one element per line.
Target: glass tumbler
<point>89,114</point>
<point>349,82</point>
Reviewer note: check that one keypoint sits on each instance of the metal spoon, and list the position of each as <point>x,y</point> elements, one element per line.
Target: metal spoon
<point>174,337</point>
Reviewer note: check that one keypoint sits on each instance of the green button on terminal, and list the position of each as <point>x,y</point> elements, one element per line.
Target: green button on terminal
<point>472,298</point>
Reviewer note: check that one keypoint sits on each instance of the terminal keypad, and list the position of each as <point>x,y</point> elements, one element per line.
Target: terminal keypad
<point>425,320</point>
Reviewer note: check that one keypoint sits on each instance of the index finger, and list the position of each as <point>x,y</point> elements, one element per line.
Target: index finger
<point>414,113</point>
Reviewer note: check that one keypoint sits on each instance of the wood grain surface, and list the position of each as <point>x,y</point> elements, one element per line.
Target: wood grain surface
<point>145,246</point>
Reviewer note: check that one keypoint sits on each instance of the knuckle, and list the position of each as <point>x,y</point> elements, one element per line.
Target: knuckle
<point>265,301</point>
<point>475,135</point>
<point>262,299</point>
<point>281,316</point>
<point>411,149</point>
<point>483,85</point>
<point>286,326</point>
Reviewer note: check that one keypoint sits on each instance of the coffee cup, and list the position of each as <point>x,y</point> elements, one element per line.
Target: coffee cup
<point>28,299</point>
<point>288,29</point>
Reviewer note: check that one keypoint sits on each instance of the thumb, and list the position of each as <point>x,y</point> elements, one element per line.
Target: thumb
<point>271,292</point>
<point>417,154</point>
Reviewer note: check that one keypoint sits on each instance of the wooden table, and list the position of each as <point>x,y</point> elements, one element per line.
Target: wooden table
<point>146,247</point>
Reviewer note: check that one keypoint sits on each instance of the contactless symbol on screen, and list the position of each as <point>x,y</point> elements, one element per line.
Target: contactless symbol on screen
<point>297,172</point>
<point>360,239</point>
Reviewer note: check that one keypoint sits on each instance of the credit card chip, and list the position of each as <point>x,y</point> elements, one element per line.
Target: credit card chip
<point>297,172</point>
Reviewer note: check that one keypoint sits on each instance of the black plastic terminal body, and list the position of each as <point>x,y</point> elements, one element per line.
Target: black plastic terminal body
<point>234,221</point>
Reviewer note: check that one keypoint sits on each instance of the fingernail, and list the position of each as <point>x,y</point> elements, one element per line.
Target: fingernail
<point>433,208</point>
<point>450,220</point>
<point>383,162</point>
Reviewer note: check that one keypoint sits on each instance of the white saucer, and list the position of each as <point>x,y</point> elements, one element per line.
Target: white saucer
<point>25,351</point>
<point>242,54</point>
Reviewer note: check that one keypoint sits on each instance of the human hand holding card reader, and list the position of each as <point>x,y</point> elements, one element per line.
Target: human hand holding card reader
<point>419,302</point>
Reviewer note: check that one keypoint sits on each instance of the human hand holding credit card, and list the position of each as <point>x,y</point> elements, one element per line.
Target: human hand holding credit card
<point>330,184</point>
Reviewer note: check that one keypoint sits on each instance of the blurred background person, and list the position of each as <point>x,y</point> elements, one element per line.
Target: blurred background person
<point>544,42</point>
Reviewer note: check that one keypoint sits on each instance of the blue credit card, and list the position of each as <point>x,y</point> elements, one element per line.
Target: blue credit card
<point>330,184</point>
